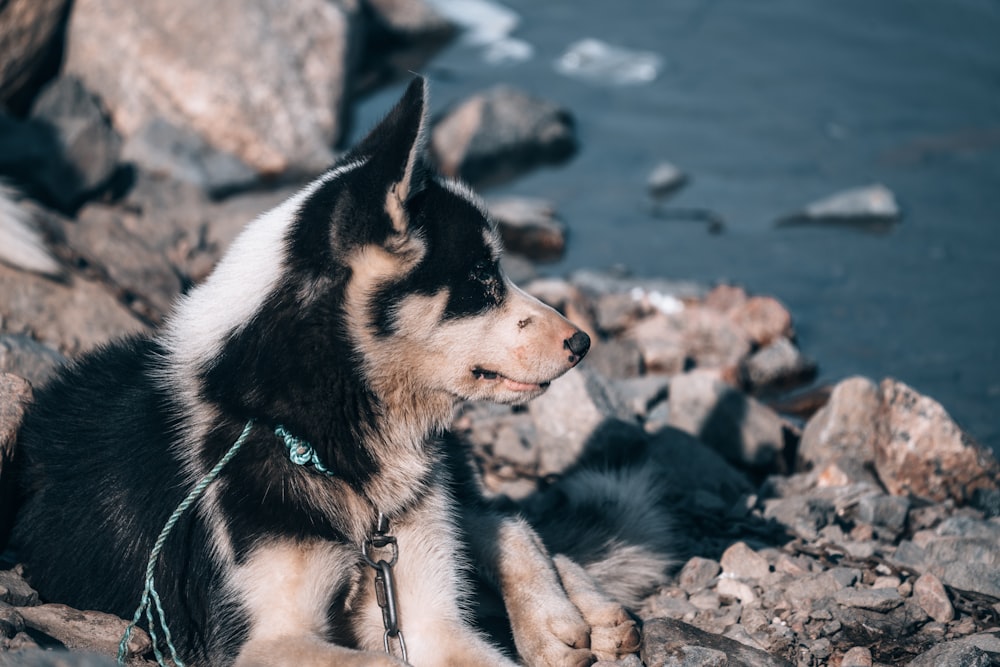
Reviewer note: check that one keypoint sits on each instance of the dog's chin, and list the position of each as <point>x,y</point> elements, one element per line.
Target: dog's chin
<point>499,388</point>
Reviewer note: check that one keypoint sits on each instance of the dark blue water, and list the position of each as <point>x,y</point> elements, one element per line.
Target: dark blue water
<point>769,105</point>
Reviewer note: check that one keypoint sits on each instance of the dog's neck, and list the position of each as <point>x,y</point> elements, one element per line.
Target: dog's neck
<point>403,443</point>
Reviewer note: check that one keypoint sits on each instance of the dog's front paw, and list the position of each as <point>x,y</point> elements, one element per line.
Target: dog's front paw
<point>550,632</point>
<point>613,632</point>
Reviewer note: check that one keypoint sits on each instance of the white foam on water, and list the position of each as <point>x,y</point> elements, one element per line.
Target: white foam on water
<point>594,60</point>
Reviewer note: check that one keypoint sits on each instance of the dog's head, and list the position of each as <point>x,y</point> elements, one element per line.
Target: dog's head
<point>380,273</point>
<point>432,303</point>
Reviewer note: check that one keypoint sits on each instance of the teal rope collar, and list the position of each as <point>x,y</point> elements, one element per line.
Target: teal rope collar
<point>300,452</point>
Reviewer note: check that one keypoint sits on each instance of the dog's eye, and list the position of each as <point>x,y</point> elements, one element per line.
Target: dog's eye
<point>483,272</point>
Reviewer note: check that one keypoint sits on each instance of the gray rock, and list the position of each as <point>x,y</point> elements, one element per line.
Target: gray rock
<point>866,627</point>
<point>529,227</point>
<point>872,207</point>
<point>498,134</point>
<point>698,573</point>
<point>803,590</point>
<point>953,654</point>
<point>11,622</point>
<point>615,358</point>
<point>929,593</point>
<point>740,428</point>
<point>845,427</point>
<point>27,32</point>
<point>639,394</point>
<point>89,146</point>
<point>568,414</point>
<point>21,355</point>
<point>884,511</point>
<point>965,526</point>
<point>675,643</point>
<point>14,590</point>
<point>779,365</point>
<point>85,630</point>
<point>742,562</point>
<point>161,147</point>
<point>274,96</point>
<point>875,599</point>
<point>665,180</point>
<point>920,450</point>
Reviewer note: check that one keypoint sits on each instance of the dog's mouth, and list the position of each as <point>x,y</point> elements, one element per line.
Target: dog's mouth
<point>509,383</point>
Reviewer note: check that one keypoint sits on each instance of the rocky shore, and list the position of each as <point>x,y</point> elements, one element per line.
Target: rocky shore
<point>844,525</point>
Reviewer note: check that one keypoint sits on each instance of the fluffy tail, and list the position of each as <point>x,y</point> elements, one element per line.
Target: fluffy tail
<point>21,243</point>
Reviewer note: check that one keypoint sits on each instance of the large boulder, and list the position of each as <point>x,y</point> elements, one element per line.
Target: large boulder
<point>920,450</point>
<point>265,81</point>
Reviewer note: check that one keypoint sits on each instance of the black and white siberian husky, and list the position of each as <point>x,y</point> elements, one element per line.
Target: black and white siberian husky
<point>344,324</point>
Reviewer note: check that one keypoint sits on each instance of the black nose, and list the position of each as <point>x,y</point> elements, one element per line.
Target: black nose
<point>578,344</point>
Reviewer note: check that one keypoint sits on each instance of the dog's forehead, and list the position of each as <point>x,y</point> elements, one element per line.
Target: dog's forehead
<point>462,221</point>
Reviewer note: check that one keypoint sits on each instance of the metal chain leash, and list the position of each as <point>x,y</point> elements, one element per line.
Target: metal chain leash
<point>385,583</point>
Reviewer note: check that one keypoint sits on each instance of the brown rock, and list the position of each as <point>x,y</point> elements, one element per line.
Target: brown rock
<point>15,396</point>
<point>726,298</point>
<point>920,450</point>
<point>857,656</point>
<point>932,598</point>
<point>742,562</point>
<point>529,227</point>
<point>84,630</point>
<point>764,319</point>
<point>698,573</point>
<point>266,82</point>
<point>498,134</point>
<point>27,28</point>
<point>73,317</point>
<point>146,281</point>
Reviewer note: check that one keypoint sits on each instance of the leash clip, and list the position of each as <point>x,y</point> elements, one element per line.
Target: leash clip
<point>385,582</point>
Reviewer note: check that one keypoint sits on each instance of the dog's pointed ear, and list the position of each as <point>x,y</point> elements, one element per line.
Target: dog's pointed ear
<point>395,151</point>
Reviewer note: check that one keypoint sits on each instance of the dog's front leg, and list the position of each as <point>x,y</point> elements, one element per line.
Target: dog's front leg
<point>432,583</point>
<point>549,631</point>
<point>555,607</point>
